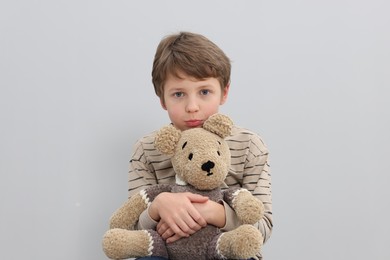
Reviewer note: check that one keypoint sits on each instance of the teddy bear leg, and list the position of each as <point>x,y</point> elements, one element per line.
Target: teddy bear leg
<point>122,244</point>
<point>243,242</point>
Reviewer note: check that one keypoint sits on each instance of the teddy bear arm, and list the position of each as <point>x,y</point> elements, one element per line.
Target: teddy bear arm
<point>248,208</point>
<point>127,216</point>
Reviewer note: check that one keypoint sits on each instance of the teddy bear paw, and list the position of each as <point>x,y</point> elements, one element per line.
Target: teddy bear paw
<point>242,243</point>
<point>248,208</point>
<point>121,243</point>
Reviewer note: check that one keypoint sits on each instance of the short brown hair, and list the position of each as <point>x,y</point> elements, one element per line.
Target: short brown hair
<point>191,53</point>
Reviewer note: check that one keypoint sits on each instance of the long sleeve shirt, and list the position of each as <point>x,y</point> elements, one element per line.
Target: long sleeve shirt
<point>249,169</point>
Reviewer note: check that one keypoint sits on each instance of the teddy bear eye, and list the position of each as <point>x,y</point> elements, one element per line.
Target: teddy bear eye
<point>218,153</point>
<point>184,145</point>
<point>190,156</point>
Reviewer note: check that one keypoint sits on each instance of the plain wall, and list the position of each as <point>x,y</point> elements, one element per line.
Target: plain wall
<point>311,77</point>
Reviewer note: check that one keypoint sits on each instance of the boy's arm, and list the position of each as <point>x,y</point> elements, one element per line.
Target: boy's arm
<point>213,212</point>
<point>178,214</point>
<point>263,192</point>
<point>256,179</point>
<point>142,175</point>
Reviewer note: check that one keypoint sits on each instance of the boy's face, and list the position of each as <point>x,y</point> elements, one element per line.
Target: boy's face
<point>190,101</point>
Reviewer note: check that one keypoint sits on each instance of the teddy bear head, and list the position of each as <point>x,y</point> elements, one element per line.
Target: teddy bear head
<point>200,156</point>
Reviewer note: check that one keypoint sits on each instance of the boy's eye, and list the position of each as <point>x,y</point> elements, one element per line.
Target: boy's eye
<point>178,94</point>
<point>204,91</point>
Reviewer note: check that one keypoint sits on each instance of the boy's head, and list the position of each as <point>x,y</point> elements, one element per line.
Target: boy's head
<point>191,54</point>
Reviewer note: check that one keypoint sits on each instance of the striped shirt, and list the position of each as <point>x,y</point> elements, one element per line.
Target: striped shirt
<point>249,169</point>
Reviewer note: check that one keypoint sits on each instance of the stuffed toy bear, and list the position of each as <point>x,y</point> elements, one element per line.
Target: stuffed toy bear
<point>201,160</point>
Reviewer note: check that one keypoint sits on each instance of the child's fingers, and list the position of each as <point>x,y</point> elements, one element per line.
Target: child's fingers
<point>167,234</point>
<point>197,221</point>
<point>163,230</point>
<point>173,239</point>
<point>196,198</point>
<point>177,229</point>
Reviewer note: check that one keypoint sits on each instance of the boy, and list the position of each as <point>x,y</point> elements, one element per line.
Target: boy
<point>191,77</point>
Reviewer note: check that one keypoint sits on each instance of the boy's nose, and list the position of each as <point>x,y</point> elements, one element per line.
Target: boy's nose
<point>192,106</point>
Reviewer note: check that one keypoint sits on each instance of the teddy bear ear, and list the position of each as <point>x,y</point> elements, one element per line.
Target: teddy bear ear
<point>219,124</point>
<point>166,139</point>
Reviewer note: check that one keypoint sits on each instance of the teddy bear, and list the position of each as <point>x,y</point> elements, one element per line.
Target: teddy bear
<point>201,160</point>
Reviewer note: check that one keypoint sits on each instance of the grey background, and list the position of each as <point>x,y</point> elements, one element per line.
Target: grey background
<point>312,77</point>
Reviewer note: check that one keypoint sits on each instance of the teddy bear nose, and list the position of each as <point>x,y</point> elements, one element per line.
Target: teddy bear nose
<point>207,166</point>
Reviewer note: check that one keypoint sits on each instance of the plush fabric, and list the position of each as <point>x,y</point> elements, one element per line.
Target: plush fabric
<point>201,160</point>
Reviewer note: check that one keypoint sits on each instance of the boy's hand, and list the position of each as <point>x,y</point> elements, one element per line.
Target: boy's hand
<point>177,215</point>
<point>213,212</point>
<point>166,232</point>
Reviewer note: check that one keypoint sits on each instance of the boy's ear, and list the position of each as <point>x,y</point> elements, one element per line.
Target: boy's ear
<point>163,104</point>
<point>225,94</point>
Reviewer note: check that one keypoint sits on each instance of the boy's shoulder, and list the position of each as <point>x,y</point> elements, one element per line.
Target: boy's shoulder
<point>148,138</point>
<point>145,145</point>
<point>242,133</point>
<point>238,130</point>
<point>242,137</point>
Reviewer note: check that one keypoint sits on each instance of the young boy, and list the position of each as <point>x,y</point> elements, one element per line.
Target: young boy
<point>191,77</point>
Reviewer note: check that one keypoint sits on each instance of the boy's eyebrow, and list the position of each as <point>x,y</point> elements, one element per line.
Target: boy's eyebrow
<point>206,85</point>
<point>177,89</point>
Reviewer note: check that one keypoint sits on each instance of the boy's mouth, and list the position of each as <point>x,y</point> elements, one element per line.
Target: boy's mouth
<point>194,123</point>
